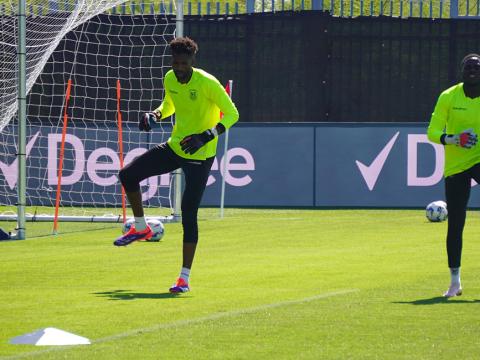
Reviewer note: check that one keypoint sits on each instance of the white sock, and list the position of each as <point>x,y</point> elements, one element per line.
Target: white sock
<point>455,275</point>
<point>140,223</point>
<point>185,274</point>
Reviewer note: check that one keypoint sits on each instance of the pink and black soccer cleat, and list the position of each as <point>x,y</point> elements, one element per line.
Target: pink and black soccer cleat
<point>180,286</point>
<point>453,290</point>
<point>133,235</point>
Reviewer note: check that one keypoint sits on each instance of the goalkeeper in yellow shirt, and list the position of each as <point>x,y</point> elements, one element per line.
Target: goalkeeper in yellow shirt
<point>455,123</point>
<point>196,98</point>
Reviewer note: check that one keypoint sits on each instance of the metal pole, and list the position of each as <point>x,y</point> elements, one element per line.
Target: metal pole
<point>22,119</point>
<point>179,19</point>
<point>224,162</point>
<point>177,198</point>
<point>224,172</point>
<point>250,6</point>
<point>453,9</point>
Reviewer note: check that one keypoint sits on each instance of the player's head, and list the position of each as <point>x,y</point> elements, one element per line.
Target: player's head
<point>471,69</point>
<point>183,57</point>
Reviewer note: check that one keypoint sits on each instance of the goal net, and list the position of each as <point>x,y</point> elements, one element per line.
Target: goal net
<point>90,65</point>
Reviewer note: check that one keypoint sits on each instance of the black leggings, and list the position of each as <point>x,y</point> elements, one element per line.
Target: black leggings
<point>457,190</point>
<point>161,160</point>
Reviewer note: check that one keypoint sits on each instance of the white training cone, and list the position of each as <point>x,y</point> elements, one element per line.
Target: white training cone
<point>50,336</point>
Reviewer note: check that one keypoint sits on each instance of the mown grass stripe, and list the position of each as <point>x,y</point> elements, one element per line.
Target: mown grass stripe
<point>187,322</point>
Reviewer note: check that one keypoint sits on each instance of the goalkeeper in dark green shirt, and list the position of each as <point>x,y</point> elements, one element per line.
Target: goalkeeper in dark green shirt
<point>455,123</point>
<point>196,98</point>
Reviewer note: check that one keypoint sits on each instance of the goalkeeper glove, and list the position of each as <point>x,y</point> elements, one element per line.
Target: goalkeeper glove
<point>148,120</point>
<point>466,139</point>
<point>191,143</point>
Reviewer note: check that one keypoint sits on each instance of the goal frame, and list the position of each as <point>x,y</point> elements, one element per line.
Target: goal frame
<point>21,217</point>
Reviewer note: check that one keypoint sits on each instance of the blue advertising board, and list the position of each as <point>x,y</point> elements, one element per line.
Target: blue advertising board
<point>267,165</point>
<point>271,166</point>
<point>377,166</point>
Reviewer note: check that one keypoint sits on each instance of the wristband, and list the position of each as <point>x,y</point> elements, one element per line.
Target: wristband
<point>442,139</point>
<point>214,131</point>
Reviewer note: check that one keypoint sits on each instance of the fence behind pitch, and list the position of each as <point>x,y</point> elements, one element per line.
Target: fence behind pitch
<point>469,9</point>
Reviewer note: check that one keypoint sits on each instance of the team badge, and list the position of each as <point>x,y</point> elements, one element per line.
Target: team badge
<point>193,94</point>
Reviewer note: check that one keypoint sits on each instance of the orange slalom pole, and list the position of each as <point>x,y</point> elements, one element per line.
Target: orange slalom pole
<point>120,148</point>
<point>62,152</point>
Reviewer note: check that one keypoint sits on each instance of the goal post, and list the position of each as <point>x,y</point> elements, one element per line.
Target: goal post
<point>178,186</point>
<point>99,52</point>
<point>22,120</point>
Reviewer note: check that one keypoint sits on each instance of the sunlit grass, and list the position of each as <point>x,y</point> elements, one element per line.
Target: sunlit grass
<point>266,284</point>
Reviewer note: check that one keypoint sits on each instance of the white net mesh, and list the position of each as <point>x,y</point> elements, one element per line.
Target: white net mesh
<point>97,51</point>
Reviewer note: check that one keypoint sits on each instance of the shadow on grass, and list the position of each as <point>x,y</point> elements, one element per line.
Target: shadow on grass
<point>130,295</point>
<point>437,300</point>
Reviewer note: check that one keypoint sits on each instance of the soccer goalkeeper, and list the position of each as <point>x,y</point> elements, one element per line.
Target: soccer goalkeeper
<point>196,98</point>
<point>455,123</point>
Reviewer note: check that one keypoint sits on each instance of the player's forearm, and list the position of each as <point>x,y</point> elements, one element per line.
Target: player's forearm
<point>164,110</point>
<point>435,129</point>
<point>225,104</point>
<point>230,117</point>
<point>438,121</point>
<point>435,135</point>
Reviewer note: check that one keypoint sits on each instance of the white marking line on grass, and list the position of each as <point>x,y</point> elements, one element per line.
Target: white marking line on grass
<point>193,321</point>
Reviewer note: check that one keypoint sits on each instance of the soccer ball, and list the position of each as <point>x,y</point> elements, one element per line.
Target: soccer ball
<point>156,225</point>
<point>127,225</point>
<point>437,211</point>
<point>157,228</point>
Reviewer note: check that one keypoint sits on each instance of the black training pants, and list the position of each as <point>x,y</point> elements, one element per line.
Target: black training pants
<point>457,190</point>
<point>161,160</point>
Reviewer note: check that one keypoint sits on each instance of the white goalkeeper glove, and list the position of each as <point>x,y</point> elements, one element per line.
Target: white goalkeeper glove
<point>466,139</point>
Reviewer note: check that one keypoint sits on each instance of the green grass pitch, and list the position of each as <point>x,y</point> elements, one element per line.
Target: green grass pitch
<point>266,284</point>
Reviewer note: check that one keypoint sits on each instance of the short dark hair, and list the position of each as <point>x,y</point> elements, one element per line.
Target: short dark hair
<point>469,56</point>
<point>183,45</point>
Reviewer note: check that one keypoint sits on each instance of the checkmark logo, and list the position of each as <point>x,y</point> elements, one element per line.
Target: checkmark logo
<point>370,173</point>
<point>11,171</point>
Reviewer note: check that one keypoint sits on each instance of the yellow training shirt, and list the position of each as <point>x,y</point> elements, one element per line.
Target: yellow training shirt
<point>197,105</point>
<point>453,114</point>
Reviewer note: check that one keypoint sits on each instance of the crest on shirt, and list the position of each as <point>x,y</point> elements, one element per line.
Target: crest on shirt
<point>193,94</point>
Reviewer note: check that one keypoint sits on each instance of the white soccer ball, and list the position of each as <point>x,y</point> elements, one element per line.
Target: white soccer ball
<point>127,225</point>
<point>157,228</point>
<point>437,211</point>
